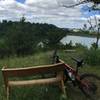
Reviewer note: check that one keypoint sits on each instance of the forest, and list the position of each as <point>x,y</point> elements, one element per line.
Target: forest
<point>23,38</point>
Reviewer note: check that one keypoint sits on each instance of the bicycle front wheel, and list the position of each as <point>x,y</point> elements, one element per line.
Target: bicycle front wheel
<point>92,87</point>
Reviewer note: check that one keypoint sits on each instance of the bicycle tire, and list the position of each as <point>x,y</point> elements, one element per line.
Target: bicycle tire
<point>92,91</point>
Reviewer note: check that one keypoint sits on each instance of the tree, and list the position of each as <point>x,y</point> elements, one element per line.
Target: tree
<point>21,38</point>
<point>53,37</point>
<point>85,27</point>
<point>79,2</point>
<point>96,29</point>
<point>95,1</point>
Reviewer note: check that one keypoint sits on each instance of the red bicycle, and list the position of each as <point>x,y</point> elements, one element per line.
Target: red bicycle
<point>88,83</point>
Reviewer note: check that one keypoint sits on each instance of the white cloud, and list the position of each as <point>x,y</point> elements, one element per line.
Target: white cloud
<point>11,9</point>
<point>52,8</point>
<point>42,3</point>
<point>46,11</point>
<point>53,12</point>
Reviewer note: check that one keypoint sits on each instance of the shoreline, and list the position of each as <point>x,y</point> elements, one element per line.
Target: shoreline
<point>83,35</point>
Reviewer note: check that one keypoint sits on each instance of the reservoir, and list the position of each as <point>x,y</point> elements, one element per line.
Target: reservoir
<point>87,41</point>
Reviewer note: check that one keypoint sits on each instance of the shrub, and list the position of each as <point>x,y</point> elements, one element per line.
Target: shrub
<point>4,50</point>
<point>92,56</point>
<point>69,45</point>
<point>79,45</point>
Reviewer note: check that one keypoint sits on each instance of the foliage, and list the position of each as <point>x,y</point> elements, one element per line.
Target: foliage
<point>93,45</point>
<point>53,38</point>
<point>92,56</point>
<point>79,45</point>
<point>4,50</point>
<point>69,45</point>
<point>42,92</point>
<point>94,28</point>
<point>95,1</point>
<point>22,38</point>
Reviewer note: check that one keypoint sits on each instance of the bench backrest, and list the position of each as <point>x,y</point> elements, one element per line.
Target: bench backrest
<point>28,71</point>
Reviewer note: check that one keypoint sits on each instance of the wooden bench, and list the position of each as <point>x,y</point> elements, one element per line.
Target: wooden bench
<point>9,73</point>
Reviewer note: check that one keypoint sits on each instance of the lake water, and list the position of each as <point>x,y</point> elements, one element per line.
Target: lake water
<point>87,41</point>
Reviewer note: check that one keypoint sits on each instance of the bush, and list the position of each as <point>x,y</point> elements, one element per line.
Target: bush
<point>4,50</point>
<point>79,45</point>
<point>92,56</point>
<point>69,45</point>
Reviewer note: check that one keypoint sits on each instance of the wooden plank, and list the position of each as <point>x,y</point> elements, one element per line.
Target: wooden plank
<point>33,82</point>
<point>55,79</point>
<point>17,72</point>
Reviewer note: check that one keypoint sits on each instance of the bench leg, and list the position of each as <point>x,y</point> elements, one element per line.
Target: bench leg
<point>61,82</point>
<point>8,93</point>
<point>62,86</point>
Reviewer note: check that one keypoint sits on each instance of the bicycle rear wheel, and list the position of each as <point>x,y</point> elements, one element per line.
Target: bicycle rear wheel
<point>92,87</point>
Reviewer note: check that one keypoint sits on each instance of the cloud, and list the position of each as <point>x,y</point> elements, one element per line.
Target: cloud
<point>11,9</point>
<point>43,11</point>
<point>54,13</point>
<point>48,7</point>
<point>42,3</point>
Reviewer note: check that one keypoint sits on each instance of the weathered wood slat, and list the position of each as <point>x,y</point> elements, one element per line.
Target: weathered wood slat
<point>12,72</point>
<point>33,82</point>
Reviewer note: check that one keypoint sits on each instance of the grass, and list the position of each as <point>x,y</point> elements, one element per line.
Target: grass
<point>43,92</point>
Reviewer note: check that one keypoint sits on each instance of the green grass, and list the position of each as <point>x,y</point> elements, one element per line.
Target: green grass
<point>50,92</point>
<point>36,59</point>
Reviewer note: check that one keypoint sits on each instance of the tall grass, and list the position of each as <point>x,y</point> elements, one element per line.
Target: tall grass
<point>92,56</point>
<point>43,92</point>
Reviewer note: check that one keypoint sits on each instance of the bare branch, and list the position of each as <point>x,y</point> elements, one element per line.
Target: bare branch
<point>71,6</point>
<point>89,21</point>
<point>79,3</point>
<point>96,21</point>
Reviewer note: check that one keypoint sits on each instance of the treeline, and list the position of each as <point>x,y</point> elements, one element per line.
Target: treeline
<point>22,38</point>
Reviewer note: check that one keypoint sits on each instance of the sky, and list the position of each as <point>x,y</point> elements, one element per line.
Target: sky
<point>22,1</point>
<point>46,11</point>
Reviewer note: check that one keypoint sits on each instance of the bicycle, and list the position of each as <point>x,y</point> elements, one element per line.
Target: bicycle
<point>88,83</point>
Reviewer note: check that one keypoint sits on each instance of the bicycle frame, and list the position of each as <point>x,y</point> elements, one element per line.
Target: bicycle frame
<point>85,85</point>
<point>75,74</point>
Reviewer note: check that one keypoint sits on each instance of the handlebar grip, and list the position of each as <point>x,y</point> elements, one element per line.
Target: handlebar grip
<point>75,59</point>
<point>79,61</point>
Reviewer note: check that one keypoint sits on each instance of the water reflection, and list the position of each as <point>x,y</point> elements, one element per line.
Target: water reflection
<point>87,41</point>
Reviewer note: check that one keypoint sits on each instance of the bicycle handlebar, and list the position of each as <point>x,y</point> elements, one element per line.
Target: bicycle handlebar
<point>56,59</point>
<point>79,61</point>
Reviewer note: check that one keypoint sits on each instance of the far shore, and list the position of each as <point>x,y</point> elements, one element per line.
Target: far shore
<point>83,34</point>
